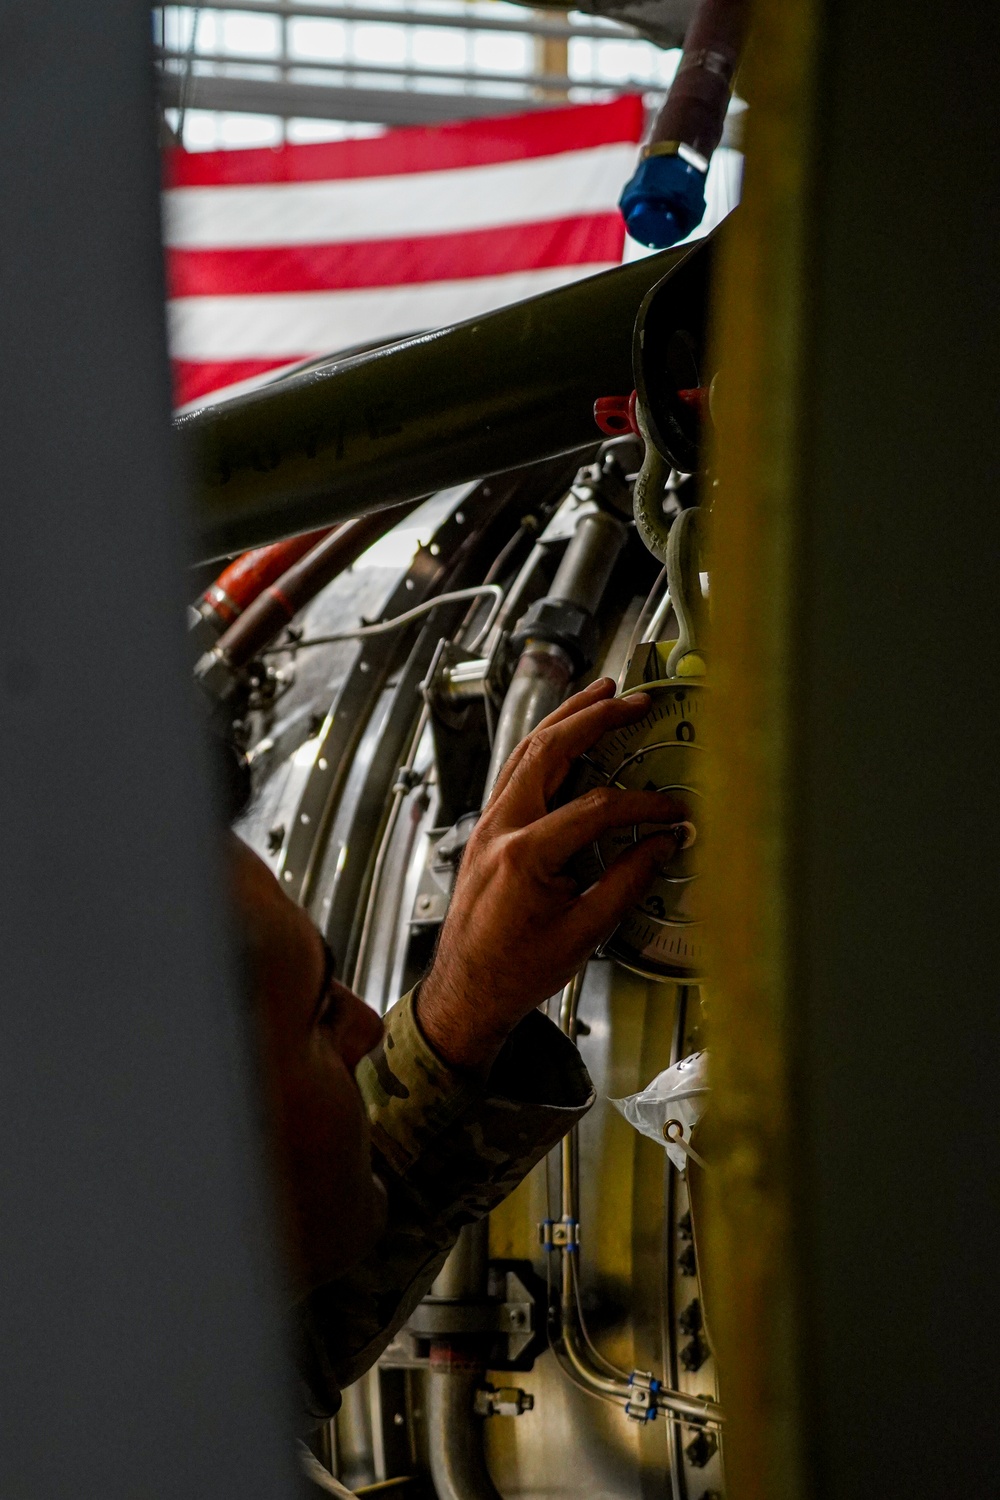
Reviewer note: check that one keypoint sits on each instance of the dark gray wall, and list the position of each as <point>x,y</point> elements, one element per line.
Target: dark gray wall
<point>901,961</point>
<point>136,1354</point>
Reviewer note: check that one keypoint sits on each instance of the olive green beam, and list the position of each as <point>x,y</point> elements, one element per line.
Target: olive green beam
<point>355,435</point>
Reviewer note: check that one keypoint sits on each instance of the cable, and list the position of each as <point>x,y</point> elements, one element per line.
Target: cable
<point>385,626</point>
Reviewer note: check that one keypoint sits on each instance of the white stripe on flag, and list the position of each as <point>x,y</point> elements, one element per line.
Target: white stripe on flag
<point>419,203</point>
<point>295,325</point>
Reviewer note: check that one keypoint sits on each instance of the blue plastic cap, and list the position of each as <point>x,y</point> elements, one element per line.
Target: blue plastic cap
<point>663,201</point>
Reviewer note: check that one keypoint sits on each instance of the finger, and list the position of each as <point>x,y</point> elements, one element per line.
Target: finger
<point>559,835</point>
<point>596,692</point>
<point>599,910</point>
<point>550,752</point>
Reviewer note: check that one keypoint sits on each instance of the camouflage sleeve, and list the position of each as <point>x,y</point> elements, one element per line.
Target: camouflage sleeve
<point>449,1147</point>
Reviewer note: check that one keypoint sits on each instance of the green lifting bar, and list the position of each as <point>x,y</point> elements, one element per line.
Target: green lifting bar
<point>355,435</point>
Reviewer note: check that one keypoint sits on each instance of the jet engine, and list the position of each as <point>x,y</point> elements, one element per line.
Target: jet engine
<point>377,686</point>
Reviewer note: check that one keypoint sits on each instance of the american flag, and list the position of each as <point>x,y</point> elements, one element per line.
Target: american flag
<point>275,256</point>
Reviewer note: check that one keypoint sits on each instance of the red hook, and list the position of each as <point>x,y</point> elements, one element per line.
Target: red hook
<point>615,415</point>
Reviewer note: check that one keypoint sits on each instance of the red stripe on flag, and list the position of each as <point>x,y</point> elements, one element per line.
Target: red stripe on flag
<point>469,143</point>
<point>196,378</point>
<point>587,239</point>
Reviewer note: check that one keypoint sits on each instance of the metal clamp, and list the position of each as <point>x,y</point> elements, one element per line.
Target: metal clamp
<point>643,1389</point>
<point>559,1234</point>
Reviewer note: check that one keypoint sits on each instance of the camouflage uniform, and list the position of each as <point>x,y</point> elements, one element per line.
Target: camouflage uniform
<point>449,1146</point>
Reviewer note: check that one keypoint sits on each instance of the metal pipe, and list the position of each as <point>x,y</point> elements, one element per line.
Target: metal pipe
<point>271,611</point>
<point>573,1350</point>
<point>695,108</point>
<point>454,1429</point>
<point>589,560</point>
<point>464,1272</point>
<point>540,680</point>
<point>356,435</point>
<point>239,584</point>
<point>540,683</point>
<point>455,1438</point>
<point>545,669</point>
<point>665,199</point>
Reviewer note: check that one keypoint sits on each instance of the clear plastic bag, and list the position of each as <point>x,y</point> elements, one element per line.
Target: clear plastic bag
<point>669,1108</point>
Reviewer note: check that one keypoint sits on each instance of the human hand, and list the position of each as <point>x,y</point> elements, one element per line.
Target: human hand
<point>519,927</point>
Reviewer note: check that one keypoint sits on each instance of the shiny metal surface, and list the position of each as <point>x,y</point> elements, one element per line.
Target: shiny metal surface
<point>573,1444</point>
<point>664,936</point>
<point>540,683</point>
<point>454,1428</point>
<point>455,1437</point>
<point>545,670</point>
<point>590,559</point>
<point>385,800</point>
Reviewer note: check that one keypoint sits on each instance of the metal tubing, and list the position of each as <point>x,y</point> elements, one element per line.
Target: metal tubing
<point>540,681</point>
<point>455,1438</point>
<point>261,621</point>
<point>588,561</point>
<point>572,1349</point>
<point>359,434</point>
<point>454,1431</point>
<point>544,672</point>
<point>539,684</point>
<point>239,584</point>
<point>464,1272</point>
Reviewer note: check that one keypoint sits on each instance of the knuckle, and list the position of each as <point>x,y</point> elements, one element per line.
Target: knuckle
<point>534,751</point>
<point>508,853</point>
<point>528,756</point>
<point>601,799</point>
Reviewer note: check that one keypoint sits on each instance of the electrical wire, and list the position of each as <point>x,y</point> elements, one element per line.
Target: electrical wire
<point>384,627</point>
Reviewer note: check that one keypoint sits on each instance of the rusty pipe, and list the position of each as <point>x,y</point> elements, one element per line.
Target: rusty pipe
<point>271,611</point>
<point>239,583</point>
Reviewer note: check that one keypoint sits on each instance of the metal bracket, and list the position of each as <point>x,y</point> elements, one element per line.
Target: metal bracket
<point>507,1327</point>
<point>456,690</point>
<point>559,1234</point>
<point>437,876</point>
<point>641,1404</point>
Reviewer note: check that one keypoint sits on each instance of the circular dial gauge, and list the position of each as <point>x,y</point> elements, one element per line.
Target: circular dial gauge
<point>662,937</point>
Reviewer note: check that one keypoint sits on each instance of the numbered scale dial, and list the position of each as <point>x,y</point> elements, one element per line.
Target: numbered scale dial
<point>662,938</point>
